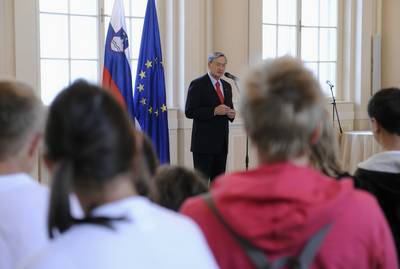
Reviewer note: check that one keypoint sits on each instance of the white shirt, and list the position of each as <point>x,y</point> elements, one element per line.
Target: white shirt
<point>152,237</point>
<point>23,218</point>
<point>213,81</point>
<point>386,161</point>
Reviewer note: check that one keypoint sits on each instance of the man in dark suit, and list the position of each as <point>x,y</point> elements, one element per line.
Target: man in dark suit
<point>209,104</point>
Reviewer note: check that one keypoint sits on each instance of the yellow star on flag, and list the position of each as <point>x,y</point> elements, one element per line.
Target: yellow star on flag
<point>150,110</point>
<point>142,74</point>
<point>140,87</point>
<point>163,108</point>
<point>148,64</point>
<point>143,101</point>
<point>156,113</point>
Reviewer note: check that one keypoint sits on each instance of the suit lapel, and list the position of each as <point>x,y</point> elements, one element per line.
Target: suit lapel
<point>225,89</point>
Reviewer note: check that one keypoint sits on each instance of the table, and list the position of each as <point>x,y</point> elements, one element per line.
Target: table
<point>355,147</point>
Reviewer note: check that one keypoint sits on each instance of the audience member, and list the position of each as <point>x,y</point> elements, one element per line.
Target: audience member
<point>90,150</point>
<point>174,184</point>
<point>274,210</point>
<point>23,202</point>
<point>380,174</point>
<point>147,164</point>
<point>325,152</point>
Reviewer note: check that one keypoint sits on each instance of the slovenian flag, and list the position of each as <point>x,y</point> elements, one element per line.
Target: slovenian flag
<point>117,76</point>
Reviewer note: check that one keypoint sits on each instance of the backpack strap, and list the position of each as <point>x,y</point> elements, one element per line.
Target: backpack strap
<point>311,248</point>
<point>256,255</point>
<point>307,255</point>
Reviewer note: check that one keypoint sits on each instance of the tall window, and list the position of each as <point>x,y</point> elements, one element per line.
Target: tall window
<point>307,29</point>
<point>72,36</point>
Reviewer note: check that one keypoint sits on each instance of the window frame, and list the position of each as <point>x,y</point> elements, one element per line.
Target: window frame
<point>256,50</point>
<point>101,29</point>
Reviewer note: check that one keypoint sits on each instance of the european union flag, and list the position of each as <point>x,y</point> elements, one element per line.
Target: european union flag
<point>149,98</point>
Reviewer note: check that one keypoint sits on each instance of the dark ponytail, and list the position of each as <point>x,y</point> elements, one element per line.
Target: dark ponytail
<point>89,139</point>
<point>60,211</point>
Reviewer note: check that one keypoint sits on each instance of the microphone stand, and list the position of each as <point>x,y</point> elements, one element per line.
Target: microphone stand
<point>334,109</point>
<point>247,136</point>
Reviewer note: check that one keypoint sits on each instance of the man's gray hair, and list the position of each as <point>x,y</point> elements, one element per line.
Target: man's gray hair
<point>281,108</point>
<point>20,116</point>
<point>216,55</point>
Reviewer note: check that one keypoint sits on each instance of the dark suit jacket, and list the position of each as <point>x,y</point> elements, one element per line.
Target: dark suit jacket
<point>209,133</point>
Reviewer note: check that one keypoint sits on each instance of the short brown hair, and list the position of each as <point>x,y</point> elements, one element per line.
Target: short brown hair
<point>20,114</point>
<point>282,106</point>
<point>174,184</point>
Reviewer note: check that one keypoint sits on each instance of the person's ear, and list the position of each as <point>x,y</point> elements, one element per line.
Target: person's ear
<point>47,162</point>
<point>376,128</point>
<point>316,134</point>
<point>34,144</point>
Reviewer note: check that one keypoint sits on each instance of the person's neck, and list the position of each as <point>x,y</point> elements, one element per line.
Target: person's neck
<point>11,167</point>
<point>390,142</point>
<point>217,79</point>
<point>117,189</point>
<point>302,160</point>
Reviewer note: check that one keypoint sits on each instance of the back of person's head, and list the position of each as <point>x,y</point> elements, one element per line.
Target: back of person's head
<point>282,108</point>
<point>325,153</point>
<point>147,163</point>
<point>20,118</point>
<point>174,184</point>
<point>89,140</point>
<point>149,154</point>
<point>385,109</point>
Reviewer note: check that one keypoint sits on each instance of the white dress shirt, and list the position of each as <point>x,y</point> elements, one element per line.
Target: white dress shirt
<point>214,81</point>
<point>150,237</point>
<point>23,218</point>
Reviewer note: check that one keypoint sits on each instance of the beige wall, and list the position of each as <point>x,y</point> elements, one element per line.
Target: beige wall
<point>231,32</point>
<point>390,43</point>
<point>228,31</point>
<point>7,59</point>
<point>191,29</point>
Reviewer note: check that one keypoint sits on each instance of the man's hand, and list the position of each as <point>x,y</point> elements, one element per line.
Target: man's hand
<point>231,114</point>
<point>221,110</point>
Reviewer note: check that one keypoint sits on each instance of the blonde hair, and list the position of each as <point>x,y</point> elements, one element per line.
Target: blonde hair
<point>20,116</point>
<point>324,153</point>
<point>281,108</point>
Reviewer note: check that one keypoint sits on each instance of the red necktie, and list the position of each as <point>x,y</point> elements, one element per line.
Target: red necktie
<point>219,92</point>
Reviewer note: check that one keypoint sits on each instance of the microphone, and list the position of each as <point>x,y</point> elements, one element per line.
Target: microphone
<point>229,75</point>
<point>329,84</point>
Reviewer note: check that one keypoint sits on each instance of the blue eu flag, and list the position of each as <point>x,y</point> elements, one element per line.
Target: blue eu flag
<point>149,99</point>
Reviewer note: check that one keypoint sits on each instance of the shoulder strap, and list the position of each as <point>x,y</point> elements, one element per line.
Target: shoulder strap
<point>306,257</point>
<point>257,256</point>
<point>311,248</point>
